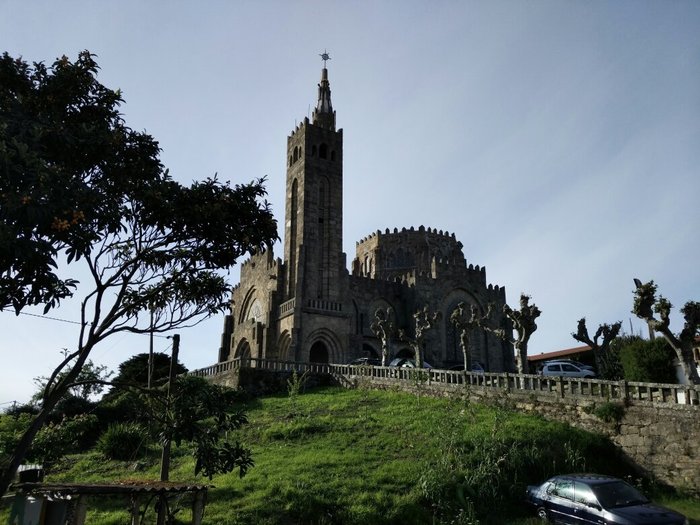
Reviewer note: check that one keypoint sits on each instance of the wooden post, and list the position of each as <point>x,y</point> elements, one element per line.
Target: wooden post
<point>198,507</point>
<point>135,509</point>
<point>79,511</point>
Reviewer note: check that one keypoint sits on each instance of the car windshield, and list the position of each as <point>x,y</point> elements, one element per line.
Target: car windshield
<point>618,494</point>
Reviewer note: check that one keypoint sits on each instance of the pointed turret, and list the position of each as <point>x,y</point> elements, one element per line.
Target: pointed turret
<point>323,114</point>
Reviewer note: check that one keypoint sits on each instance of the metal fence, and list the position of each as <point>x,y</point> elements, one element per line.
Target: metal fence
<point>653,393</point>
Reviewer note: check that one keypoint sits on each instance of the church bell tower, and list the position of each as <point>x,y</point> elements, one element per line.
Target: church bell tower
<point>313,241</point>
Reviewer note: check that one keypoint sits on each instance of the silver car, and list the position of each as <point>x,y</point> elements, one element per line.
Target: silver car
<point>563,369</point>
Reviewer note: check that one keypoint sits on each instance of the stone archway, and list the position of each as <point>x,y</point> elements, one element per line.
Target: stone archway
<point>406,352</point>
<point>243,350</point>
<point>369,351</point>
<point>318,353</point>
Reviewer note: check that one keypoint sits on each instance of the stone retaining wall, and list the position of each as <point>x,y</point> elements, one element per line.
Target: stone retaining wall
<point>662,440</point>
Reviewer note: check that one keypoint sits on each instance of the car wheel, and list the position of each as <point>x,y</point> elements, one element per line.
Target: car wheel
<point>543,515</point>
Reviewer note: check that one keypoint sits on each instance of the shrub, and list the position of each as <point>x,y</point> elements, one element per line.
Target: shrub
<point>11,429</point>
<point>610,412</point>
<point>649,361</point>
<point>69,436</point>
<point>122,441</point>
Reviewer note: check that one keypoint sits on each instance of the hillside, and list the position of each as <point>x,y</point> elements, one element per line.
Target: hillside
<point>363,456</point>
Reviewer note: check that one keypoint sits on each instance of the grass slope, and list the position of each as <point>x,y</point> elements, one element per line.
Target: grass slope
<point>334,456</point>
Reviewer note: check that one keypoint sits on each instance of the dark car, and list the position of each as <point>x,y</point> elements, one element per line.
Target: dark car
<point>405,362</point>
<point>365,361</point>
<point>477,368</point>
<point>592,498</point>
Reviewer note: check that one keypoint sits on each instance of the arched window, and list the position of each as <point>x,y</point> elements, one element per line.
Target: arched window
<point>296,153</point>
<point>323,151</point>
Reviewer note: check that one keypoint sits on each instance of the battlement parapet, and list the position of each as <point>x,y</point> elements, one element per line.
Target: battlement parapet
<point>411,231</point>
<point>299,127</point>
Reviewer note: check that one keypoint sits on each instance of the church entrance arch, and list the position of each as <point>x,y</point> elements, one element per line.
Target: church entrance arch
<point>243,350</point>
<point>318,353</point>
<point>406,352</point>
<point>369,351</point>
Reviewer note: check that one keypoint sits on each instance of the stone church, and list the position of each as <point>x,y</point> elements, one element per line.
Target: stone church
<point>309,307</point>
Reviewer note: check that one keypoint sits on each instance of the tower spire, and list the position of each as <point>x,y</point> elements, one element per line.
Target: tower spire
<point>323,114</point>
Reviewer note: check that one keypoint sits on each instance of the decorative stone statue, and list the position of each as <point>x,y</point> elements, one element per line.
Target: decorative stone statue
<point>424,322</point>
<point>383,327</point>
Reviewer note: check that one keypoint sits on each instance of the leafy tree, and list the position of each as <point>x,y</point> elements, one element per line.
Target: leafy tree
<point>89,382</point>
<point>77,184</point>
<point>123,401</point>
<point>646,360</point>
<point>203,414</point>
<point>646,305</point>
<point>134,371</point>
<point>606,362</point>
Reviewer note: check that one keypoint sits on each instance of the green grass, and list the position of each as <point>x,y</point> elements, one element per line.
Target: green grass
<point>337,456</point>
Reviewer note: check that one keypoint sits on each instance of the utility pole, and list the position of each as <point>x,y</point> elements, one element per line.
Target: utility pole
<point>150,353</point>
<point>165,457</point>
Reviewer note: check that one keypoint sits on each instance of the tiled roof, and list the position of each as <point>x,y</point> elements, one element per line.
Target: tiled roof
<point>560,353</point>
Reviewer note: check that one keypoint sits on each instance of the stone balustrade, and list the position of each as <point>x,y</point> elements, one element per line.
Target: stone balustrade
<point>558,387</point>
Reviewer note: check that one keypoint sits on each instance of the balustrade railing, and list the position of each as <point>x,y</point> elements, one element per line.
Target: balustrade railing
<point>656,393</point>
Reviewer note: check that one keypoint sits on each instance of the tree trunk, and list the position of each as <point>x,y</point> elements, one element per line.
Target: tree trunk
<point>690,369</point>
<point>20,451</point>
<point>22,448</point>
<point>419,355</point>
<point>467,358</point>
<point>521,359</point>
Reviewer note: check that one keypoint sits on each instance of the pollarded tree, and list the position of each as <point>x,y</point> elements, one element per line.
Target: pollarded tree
<point>76,183</point>
<point>465,321</point>
<point>384,327</point>
<point>607,364</point>
<point>424,321</point>
<point>646,304</point>
<point>523,321</point>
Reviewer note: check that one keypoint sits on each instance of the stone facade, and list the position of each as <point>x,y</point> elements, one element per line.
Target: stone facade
<point>309,307</point>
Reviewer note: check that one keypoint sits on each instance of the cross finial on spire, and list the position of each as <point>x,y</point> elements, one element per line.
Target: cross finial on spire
<point>325,57</point>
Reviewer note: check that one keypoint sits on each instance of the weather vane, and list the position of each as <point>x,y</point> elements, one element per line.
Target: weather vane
<point>325,57</point>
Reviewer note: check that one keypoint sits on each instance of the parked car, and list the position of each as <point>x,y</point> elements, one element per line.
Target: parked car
<point>405,362</point>
<point>592,498</point>
<point>563,369</point>
<point>477,368</point>
<point>364,361</point>
<point>571,362</point>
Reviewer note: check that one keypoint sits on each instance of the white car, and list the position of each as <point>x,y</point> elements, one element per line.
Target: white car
<point>565,370</point>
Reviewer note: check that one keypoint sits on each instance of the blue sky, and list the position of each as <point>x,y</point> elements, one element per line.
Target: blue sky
<point>559,141</point>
